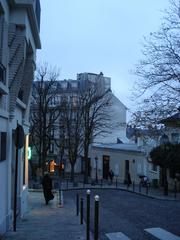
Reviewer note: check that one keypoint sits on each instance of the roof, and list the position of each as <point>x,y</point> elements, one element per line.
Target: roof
<point>121,147</point>
<point>174,119</point>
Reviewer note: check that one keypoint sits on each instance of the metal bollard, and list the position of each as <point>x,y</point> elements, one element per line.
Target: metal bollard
<point>61,202</point>
<point>77,204</point>
<point>67,183</point>
<point>175,188</point>
<point>116,182</point>
<point>147,189</point>
<point>81,212</point>
<point>96,217</point>
<point>88,215</point>
<point>140,187</point>
<point>101,182</point>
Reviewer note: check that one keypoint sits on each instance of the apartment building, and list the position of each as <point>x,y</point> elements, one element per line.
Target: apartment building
<point>68,90</point>
<point>19,39</point>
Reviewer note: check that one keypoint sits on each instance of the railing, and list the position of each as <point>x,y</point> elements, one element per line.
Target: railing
<point>149,190</point>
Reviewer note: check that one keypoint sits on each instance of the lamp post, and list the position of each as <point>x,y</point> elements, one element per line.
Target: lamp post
<point>164,141</point>
<point>96,160</point>
<point>133,174</point>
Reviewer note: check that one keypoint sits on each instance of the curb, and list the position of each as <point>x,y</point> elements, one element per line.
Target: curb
<point>110,188</point>
<point>123,189</point>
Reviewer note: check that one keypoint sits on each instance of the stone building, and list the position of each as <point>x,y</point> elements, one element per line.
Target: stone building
<point>19,39</point>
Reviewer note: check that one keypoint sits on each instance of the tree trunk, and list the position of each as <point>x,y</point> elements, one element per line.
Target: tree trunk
<point>86,164</point>
<point>165,182</point>
<point>72,172</point>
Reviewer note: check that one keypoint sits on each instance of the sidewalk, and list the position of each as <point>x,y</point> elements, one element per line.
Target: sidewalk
<point>48,221</point>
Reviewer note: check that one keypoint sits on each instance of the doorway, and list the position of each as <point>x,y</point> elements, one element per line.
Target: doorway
<point>105,166</point>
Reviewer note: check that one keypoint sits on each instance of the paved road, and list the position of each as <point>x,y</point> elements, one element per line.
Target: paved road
<point>129,213</point>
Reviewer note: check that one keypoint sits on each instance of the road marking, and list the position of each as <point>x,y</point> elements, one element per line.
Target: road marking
<point>162,234</point>
<point>117,236</point>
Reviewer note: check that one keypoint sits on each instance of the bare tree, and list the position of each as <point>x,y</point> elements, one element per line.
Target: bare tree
<point>159,71</point>
<point>96,118</point>
<point>71,122</point>
<point>43,112</point>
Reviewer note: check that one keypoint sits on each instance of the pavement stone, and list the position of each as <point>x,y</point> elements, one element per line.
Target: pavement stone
<point>48,221</point>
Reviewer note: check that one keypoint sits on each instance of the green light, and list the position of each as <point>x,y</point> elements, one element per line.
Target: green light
<point>29,153</point>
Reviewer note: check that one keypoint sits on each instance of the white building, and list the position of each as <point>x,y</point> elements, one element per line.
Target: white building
<point>122,158</point>
<point>19,39</point>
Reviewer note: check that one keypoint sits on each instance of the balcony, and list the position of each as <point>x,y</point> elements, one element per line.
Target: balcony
<point>33,9</point>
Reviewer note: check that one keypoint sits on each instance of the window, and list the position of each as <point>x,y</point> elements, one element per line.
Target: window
<point>52,132</point>
<point>51,150</point>
<point>74,84</point>
<point>2,73</point>
<point>64,85</point>
<point>154,167</point>
<point>20,94</point>
<point>3,140</point>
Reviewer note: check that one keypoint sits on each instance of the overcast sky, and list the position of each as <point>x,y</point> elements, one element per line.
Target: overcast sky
<point>98,35</point>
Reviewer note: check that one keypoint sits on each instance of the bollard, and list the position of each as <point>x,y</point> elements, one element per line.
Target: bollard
<point>133,186</point>
<point>96,217</point>
<point>67,183</point>
<point>88,215</point>
<point>61,202</point>
<point>81,212</point>
<point>147,188</point>
<point>175,188</point>
<point>140,187</point>
<point>116,182</point>
<point>77,204</point>
<point>101,182</point>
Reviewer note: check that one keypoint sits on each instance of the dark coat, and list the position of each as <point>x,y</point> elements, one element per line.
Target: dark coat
<point>47,188</point>
<point>129,179</point>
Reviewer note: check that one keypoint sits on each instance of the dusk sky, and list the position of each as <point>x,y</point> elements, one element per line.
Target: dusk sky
<point>98,35</point>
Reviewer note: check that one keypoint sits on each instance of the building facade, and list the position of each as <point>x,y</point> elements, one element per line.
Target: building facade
<point>122,158</point>
<point>19,39</point>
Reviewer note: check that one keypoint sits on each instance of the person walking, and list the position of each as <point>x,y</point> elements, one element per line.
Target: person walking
<point>111,175</point>
<point>47,187</point>
<point>129,179</point>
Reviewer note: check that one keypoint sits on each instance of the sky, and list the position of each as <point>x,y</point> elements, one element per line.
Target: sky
<point>98,36</point>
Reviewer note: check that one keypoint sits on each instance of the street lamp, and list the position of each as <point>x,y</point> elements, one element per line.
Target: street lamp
<point>164,141</point>
<point>96,160</point>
